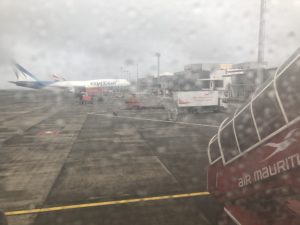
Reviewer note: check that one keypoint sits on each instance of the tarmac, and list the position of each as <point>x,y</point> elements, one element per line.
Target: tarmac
<point>66,163</point>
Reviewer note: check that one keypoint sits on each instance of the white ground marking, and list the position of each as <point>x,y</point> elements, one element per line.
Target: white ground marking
<point>155,120</point>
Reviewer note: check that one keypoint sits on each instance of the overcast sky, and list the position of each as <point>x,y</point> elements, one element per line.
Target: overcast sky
<point>93,38</point>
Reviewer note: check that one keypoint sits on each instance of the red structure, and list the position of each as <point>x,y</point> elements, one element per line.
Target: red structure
<point>96,91</point>
<point>133,103</point>
<point>254,158</point>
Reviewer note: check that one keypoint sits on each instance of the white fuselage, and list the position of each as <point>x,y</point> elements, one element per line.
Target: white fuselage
<point>105,83</point>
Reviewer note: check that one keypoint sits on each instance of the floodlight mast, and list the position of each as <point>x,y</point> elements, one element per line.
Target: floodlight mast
<point>261,40</point>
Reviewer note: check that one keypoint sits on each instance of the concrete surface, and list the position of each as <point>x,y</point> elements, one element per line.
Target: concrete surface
<point>56,152</point>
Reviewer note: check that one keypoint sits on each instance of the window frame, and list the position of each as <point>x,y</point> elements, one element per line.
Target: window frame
<point>287,124</point>
<point>212,140</point>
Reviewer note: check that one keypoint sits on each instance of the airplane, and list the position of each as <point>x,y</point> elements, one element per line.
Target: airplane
<point>27,79</point>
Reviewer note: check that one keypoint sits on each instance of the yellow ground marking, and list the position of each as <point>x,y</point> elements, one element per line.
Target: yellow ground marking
<point>96,204</point>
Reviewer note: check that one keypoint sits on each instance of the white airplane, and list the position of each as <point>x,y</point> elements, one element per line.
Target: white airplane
<point>102,83</point>
<point>27,79</point>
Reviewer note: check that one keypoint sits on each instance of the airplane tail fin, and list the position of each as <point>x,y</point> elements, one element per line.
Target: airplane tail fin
<point>22,74</point>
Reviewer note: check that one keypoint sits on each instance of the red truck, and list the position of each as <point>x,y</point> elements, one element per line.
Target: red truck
<point>133,102</point>
<point>85,98</point>
<point>254,159</point>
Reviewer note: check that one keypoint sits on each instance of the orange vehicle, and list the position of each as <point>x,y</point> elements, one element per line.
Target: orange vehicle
<point>85,98</point>
<point>133,103</point>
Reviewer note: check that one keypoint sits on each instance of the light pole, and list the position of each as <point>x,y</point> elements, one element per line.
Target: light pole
<point>261,39</point>
<point>137,75</point>
<point>158,56</point>
<point>158,72</point>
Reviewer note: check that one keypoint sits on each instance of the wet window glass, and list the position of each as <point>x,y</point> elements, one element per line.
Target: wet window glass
<point>214,150</point>
<point>228,142</point>
<point>219,83</point>
<point>267,112</point>
<point>288,87</point>
<point>245,129</point>
<point>117,104</point>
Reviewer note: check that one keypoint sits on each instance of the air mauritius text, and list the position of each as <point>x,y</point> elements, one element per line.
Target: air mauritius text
<point>280,166</point>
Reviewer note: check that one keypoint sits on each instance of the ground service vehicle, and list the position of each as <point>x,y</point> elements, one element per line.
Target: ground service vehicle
<point>197,100</point>
<point>254,158</point>
<point>133,103</point>
<point>85,98</point>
